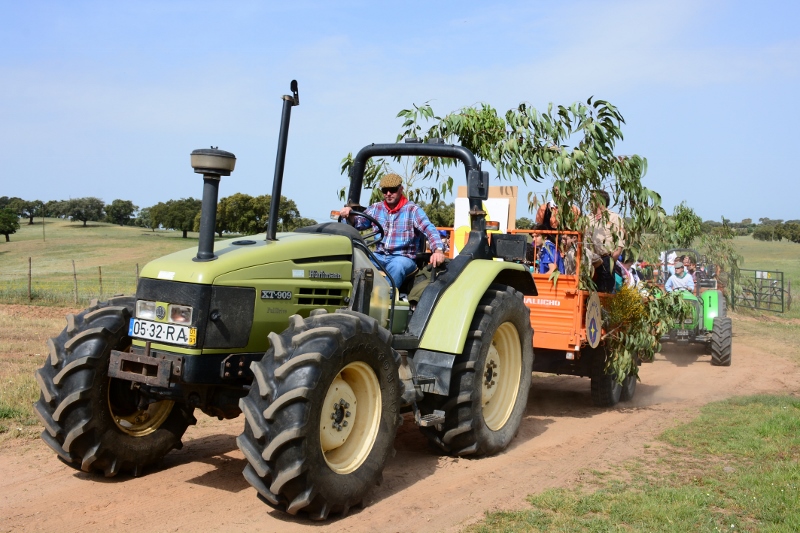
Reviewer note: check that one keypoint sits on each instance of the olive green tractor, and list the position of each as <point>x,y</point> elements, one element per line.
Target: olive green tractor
<point>303,334</point>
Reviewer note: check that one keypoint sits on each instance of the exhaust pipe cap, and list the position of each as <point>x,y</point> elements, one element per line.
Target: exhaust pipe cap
<point>213,162</point>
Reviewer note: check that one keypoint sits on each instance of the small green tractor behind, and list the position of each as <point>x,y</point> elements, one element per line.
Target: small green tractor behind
<point>302,333</point>
<point>707,323</point>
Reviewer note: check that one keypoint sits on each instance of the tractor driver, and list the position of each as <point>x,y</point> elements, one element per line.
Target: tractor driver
<point>680,280</point>
<point>402,221</point>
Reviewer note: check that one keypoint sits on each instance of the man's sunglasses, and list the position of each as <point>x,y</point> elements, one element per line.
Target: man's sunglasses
<point>392,190</point>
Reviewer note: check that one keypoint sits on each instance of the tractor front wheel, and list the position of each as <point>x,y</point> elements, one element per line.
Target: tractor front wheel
<point>490,381</point>
<point>91,421</point>
<point>322,414</point>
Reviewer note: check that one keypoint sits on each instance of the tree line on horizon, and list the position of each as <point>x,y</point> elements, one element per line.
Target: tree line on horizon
<point>244,214</point>
<point>239,213</point>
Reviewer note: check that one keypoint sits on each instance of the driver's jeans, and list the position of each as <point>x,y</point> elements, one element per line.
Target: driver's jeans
<point>398,266</point>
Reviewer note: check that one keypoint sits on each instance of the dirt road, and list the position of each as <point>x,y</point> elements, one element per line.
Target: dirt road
<point>200,488</point>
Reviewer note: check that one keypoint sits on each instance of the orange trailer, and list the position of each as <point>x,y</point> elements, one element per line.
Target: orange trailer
<point>567,325</point>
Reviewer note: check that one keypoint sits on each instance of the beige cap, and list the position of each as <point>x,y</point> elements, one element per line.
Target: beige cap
<point>391,180</point>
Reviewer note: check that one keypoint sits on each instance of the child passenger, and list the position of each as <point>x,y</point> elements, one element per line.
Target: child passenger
<point>549,257</point>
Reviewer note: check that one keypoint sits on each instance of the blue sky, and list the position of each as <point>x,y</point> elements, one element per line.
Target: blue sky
<point>108,99</point>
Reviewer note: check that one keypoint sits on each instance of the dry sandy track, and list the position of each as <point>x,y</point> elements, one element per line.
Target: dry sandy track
<point>200,488</point>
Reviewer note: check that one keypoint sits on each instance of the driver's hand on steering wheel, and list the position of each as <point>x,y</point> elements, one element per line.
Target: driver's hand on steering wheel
<point>345,212</point>
<point>437,258</point>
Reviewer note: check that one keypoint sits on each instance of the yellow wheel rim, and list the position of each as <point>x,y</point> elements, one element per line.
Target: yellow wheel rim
<point>501,376</point>
<point>143,421</point>
<point>350,419</point>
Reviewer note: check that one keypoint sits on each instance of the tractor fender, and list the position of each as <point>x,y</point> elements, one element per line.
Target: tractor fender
<point>447,327</point>
<point>713,306</point>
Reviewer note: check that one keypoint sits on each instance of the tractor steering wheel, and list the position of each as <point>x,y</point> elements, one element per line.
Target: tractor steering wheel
<point>376,235</point>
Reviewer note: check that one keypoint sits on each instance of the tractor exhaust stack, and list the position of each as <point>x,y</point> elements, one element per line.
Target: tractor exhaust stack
<point>212,163</point>
<point>289,101</point>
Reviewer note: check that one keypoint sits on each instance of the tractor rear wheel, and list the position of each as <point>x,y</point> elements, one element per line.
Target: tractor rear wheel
<point>91,421</point>
<point>721,342</point>
<point>322,414</point>
<point>490,381</point>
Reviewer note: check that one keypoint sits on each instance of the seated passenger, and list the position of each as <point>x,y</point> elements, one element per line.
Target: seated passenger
<point>549,257</point>
<point>570,243</point>
<point>680,280</point>
<point>690,265</point>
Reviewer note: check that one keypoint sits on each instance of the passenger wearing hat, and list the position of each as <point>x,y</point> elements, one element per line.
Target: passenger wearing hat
<point>402,221</point>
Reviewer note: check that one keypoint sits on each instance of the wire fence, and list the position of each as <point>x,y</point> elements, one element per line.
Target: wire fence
<point>77,287</point>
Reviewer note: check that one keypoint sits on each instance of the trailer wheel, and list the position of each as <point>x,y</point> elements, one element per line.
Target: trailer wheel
<point>606,390</point>
<point>628,388</point>
<point>322,414</point>
<point>95,423</point>
<point>490,380</point>
<point>721,341</point>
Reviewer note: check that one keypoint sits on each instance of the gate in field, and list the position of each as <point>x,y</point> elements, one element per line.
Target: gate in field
<point>762,290</point>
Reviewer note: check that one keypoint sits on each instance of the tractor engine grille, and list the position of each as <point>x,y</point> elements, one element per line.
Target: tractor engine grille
<point>320,296</point>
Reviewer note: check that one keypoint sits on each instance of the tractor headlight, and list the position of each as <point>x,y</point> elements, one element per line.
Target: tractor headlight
<point>180,314</point>
<point>145,310</point>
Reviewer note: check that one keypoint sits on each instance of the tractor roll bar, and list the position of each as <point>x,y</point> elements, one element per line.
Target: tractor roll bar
<point>477,193</point>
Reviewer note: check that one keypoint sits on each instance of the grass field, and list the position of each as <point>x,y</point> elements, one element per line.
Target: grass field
<point>734,468</point>
<point>774,256</point>
<point>98,250</point>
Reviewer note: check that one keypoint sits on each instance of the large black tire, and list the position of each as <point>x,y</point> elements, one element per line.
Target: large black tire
<point>322,414</point>
<point>721,341</point>
<point>93,422</point>
<point>606,390</point>
<point>490,381</point>
<point>628,388</point>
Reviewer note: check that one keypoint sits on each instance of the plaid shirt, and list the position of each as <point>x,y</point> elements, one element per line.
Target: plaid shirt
<point>403,229</point>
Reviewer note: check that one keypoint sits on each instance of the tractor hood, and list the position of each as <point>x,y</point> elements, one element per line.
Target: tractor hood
<point>282,258</point>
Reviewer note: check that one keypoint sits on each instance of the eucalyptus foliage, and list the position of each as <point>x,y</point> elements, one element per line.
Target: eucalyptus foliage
<point>635,321</point>
<point>687,226</point>
<point>574,146</point>
<point>719,251</point>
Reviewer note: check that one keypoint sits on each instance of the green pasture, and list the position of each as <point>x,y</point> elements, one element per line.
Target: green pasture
<point>736,467</point>
<point>101,252</point>
<point>781,256</point>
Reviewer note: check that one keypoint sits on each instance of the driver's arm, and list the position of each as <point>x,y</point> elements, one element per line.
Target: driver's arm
<point>352,217</point>
<point>423,224</point>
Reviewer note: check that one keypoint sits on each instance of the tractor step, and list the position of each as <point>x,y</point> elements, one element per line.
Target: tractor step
<point>434,419</point>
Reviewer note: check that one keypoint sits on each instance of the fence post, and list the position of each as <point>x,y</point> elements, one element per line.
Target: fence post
<point>100,275</point>
<point>137,274</point>
<point>30,297</point>
<point>75,278</point>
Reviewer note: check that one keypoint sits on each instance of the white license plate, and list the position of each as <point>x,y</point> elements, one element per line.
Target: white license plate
<point>158,331</point>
